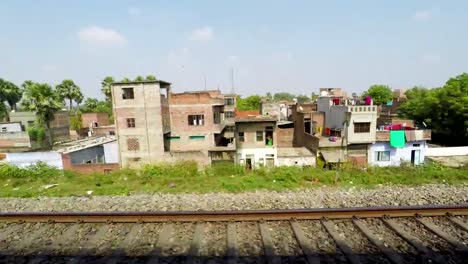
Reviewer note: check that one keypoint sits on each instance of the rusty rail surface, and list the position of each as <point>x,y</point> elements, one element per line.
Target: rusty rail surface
<point>240,215</point>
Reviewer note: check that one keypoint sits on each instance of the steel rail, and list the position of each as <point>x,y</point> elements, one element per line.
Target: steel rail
<point>235,215</point>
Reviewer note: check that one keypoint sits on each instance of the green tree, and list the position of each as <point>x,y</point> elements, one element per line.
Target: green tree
<point>139,78</point>
<point>283,96</point>
<point>106,87</point>
<point>268,96</point>
<point>91,103</point>
<point>314,96</point>
<point>150,78</point>
<point>10,93</point>
<point>69,90</point>
<point>79,99</point>
<point>444,110</point>
<point>380,93</point>
<point>126,80</point>
<point>44,101</point>
<point>252,102</point>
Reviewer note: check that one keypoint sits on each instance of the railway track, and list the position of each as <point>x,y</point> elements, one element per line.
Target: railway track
<point>422,234</point>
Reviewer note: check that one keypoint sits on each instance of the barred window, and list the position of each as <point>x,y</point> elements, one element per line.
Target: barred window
<point>382,155</point>
<point>259,135</point>
<point>133,144</point>
<point>130,122</point>
<point>362,127</point>
<point>196,120</point>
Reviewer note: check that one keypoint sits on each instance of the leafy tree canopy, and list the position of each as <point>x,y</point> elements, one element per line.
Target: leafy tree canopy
<point>283,96</point>
<point>380,93</point>
<point>444,110</point>
<point>106,87</point>
<point>150,78</point>
<point>69,90</point>
<point>252,102</point>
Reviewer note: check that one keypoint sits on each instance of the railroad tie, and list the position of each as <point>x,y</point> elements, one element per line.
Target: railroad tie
<point>268,247</point>
<point>231,243</point>
<point>393,256</point>
<point>411,240</point>
<point>459,223</point>
<point>101,232</point>
<point>131,236</point>
<point>56,243</point>
<point>162,243</point>
<point>312,257</point>
<point>194,250</point>
<point>436,230</point>
<point>340,242</point>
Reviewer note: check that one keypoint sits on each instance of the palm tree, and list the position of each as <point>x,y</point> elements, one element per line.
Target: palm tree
<point>79,99</point>
<point>106,87</point>
<point>44,101</point>
<point>68,90</point>
<point>10,93</point>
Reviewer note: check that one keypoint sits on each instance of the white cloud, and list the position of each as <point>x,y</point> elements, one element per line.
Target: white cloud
<point>202,34</point>
<point>134,11</point>
<point>423,15</point>
<point>99,36</point>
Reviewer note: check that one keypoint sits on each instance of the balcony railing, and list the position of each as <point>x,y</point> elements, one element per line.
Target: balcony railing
<point>385,135</point>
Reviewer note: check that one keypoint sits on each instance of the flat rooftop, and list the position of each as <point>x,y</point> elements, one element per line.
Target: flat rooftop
<point>259,118</point>
<point>140,82</point>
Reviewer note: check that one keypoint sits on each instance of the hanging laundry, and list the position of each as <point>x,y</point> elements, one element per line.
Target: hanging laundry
<point>367,101</point>
<point>410,135</point>
<point>397,138</point>
<point>336,101</point>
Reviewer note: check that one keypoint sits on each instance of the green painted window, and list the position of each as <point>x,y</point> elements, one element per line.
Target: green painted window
<point>197,137</point>
<point>174,138</point>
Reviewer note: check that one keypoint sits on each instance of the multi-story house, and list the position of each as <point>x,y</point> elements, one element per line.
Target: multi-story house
<point>142,120</point>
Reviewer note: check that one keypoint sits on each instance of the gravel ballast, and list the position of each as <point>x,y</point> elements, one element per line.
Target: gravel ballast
<point>308,198</point>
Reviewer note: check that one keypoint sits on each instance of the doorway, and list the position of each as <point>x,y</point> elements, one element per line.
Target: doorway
<point>415,157</point>
<point>248,163</point>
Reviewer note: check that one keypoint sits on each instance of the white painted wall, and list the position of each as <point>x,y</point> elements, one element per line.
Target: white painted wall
<point>449,151</point>
<point>111,152</point>
<point>29,158</point>
<point>397,155</point>
<point>296,161</point>
<point>258,154</point>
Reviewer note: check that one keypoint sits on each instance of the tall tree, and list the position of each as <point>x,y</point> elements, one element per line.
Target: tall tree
<point>106,87</point>
<point>91,103</point>
<point>302,98</point>
<point>139,78</point>
<point>380,93</point>
<point>69,90</point>
<point>444,110</point>
<point>79,99</point>
<point>150,78</point>
<point>44,101</point>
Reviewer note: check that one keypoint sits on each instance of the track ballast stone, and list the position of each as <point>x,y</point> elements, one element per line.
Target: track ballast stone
<point>320,197</point>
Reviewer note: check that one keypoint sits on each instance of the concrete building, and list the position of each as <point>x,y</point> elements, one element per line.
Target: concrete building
<point>59,127</point>
<point>256,141</point>
<point>98,154</point>
<point>13,138</point>
<point>142,119</point>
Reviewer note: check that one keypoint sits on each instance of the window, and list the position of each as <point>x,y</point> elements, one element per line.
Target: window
<point>127,93</point>
<point>216,117</point>
<point>196,120</point>
<point>362,127</point>
<point>269,136</point>
<point>174,138</point>
<point>229,101</point>
<point>130,122</point>
<point>229,129</point>
<point>4,129</point>
<point>197,137</point>
<point>229,114</point>
<point>382,155</point>
<point>133,144</point>
<point>241,136</point>
<point>259,135</point>
<point>416,145</point>
<point>112,133</point>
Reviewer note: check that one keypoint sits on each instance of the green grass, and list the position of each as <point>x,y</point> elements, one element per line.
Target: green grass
<point>186,177</point>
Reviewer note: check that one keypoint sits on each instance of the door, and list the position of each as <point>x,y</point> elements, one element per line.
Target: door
<point>415,157</point>
<point>248,163</point>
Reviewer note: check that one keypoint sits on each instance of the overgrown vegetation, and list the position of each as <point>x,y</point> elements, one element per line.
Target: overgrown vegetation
<point>37,134</point>
<point>187,177</point>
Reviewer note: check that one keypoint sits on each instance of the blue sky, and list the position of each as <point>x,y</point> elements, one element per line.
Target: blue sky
<point>293,46</point>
